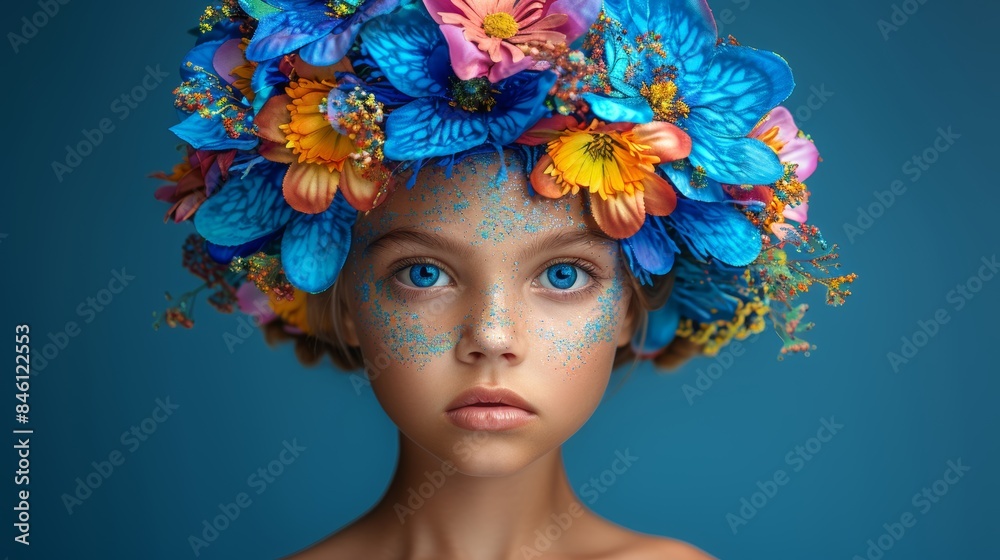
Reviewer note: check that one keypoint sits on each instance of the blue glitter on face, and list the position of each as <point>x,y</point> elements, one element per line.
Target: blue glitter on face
<point>410,312</point>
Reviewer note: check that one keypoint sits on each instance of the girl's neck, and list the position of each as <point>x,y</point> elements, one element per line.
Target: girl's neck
<point>431,510</point>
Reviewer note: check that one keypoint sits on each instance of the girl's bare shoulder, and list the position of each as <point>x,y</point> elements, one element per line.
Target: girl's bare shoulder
<point>360,539</point>
<point>602,541</point>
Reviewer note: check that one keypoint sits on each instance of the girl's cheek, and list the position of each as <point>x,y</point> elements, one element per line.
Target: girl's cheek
<point>586,341</point>
<point>411,335</point>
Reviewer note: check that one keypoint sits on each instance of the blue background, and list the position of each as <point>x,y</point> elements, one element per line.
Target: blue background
<point>697,458</point>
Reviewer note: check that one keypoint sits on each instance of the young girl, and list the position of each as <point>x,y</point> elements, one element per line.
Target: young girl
<point>498,327</point>
<point>487,215</point>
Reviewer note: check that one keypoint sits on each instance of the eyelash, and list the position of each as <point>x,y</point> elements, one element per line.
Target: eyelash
<point>592,287</point>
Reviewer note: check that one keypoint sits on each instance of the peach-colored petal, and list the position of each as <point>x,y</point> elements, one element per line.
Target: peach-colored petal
<point>359,190</point>
<point>784,231</point>
<point>665,141</point>
<point>619,216</point>
<point>546,130</point>
<point>658,195</point>
<point>271,116</point>
<point>543,183</point>
<point>309,188</point>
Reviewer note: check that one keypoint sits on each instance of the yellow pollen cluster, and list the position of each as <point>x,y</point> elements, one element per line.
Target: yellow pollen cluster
<point>340,9</point>
<point>749,319</point>
<point>500,25</point>
<point>662,97</point>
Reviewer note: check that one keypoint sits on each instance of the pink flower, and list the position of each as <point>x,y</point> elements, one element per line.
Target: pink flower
<point>778,130</point>
<point>485,36</point>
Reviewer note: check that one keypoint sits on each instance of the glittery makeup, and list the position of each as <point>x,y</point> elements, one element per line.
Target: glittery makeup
<point>495,242</point>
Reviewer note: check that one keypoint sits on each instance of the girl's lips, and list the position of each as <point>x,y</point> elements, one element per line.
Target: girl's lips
<point>489,418</point>
<point>482,395</point>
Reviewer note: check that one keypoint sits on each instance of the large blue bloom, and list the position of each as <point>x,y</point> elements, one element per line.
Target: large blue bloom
<point>249,210</point>
<point>721,91</point>
<point>446,115</point>
<point>707,230</point>
<point>309,27</point>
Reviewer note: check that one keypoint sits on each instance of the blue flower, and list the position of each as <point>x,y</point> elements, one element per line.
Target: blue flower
<point>322,31</point>
<point>717,241</point>
<point>715,93</point>
<point>250,209</point>
<point>215,114</point>
<point>446,115</point>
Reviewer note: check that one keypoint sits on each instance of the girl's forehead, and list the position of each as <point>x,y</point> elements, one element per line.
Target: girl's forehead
<point>477,201</point>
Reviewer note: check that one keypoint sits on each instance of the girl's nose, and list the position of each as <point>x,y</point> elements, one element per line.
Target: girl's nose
<point>493,331</point>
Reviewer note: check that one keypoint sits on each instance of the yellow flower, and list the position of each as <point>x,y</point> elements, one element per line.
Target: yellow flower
<point>618,164</point>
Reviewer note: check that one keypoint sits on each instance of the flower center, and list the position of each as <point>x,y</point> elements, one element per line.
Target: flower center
<point>601,147</point>
<point>342,8</point>
<point>771,139</point>
<point>663,99</point>
<point>500,25</point>
<point>309,134</point>
<point>473,95</point>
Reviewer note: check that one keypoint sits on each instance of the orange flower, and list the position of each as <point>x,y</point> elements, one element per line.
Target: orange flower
<point>295,129</point>
<point>618,164</point>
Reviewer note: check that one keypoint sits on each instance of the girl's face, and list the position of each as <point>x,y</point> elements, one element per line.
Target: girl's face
<point>468,282</point>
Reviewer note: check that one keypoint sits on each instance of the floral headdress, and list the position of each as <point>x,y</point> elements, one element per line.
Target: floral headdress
<point>297,113</point>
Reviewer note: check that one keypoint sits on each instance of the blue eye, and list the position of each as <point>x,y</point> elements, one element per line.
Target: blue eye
<point>564,276</point>
<point>424,275</point>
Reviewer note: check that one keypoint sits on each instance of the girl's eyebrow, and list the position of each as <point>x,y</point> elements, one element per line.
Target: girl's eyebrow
<point>543,241</point>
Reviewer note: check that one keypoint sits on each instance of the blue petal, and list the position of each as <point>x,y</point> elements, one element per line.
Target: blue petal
<point>661,329</point>
<point>265,77</point>
<point>330,49</point>
<point>718,230</point>
<point>200,56</point>
<point>282,33</point>
<point>681,178</point>
<point>209,134</point>
<point>734,161</point>
<point>519,105</point>
<point>689,34</point>
<point>652,246</point>
<point>314,247</point>
<point>623,109</point>
<point>225,254</point>
<point>409,48</point>
<point>245,208</point>
<point>741,86</point>
<point>429,127</point>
